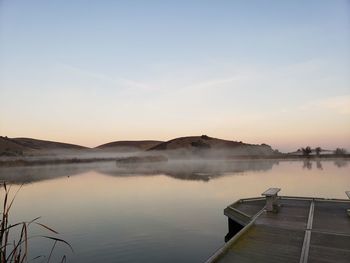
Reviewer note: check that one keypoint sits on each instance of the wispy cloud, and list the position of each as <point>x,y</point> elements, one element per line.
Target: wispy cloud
<point>115,80</point>
<point>337,104</point>
<point>213,83</point>
<point>296,75</point>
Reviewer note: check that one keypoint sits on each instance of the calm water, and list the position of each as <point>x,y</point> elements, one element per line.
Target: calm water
<point>169,213</point>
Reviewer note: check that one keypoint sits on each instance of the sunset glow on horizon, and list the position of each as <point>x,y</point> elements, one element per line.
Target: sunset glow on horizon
<point>89,73</point>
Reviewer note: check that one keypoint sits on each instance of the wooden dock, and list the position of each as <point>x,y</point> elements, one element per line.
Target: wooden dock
<point>297,229</point>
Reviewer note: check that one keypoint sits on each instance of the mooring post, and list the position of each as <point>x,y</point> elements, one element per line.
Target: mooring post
<point>271,199</point>
<point>348,194</point>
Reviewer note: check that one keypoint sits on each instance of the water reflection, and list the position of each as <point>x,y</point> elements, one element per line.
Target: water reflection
<point>145,213</point>
<point>201,170</point>
<point>341,163</point>
<point>28,174</point>
<point>184,170</point>
<point>307,164</point>
<point>190,170</point>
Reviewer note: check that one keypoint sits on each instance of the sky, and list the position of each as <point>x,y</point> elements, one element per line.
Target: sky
<point>91,72</point>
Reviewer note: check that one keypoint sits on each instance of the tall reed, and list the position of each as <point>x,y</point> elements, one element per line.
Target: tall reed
<point>16,250</point>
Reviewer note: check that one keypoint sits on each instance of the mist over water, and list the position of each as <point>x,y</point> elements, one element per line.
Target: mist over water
<point>166,212</point>
<point>191,169</point>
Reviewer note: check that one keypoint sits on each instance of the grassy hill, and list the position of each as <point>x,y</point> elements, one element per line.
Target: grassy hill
<point>202,145</point>
<point>8,147</point>
<point>46,145</point>
<point>20,146</point>
<point>128,145</point>
<point>205,143</point>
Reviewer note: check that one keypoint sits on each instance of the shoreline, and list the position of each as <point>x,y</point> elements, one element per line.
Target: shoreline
<point>27,162</point>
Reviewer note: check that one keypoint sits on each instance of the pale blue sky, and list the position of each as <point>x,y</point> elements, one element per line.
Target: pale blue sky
<point>90,72</point>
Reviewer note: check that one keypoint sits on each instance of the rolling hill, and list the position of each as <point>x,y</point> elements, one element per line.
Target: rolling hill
<point>41,144</point>
<point>202,145</point>
<point>205,143</point>
<point>128,145</point>
<point>8,147</point>
<point>20,146</point>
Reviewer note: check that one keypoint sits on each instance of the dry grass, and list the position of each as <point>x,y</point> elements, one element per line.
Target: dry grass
<point>16,250</point>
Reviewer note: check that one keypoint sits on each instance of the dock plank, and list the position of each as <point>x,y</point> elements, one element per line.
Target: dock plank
<point>290,215</point>
<point>266,244</point>
<point>321,254</point>
<point>280,237</point>
<point>332,217</point>
<point>250,208</point>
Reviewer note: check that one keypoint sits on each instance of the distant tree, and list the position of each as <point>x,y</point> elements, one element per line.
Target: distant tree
<point>306,151</point>
<point>276,151</point>
<point>318,150</point>
<point>340,151</point>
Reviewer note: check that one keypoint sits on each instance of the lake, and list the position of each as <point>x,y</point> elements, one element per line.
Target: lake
<point>154,213</point>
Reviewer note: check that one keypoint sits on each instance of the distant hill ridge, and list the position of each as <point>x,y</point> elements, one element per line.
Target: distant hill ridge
<point>19,146</point>
<point>203,141</point>
<point>42,144</point>
<point>10,147</point>
<point>141,145</point>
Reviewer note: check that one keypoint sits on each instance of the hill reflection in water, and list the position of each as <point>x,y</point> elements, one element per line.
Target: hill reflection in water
<point>145,213</point>
<point>202,170</point>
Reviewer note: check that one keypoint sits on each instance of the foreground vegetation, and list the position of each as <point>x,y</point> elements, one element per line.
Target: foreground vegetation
<point>16,249</point>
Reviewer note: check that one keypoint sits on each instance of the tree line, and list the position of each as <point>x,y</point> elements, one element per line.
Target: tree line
<point>308,151</point>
